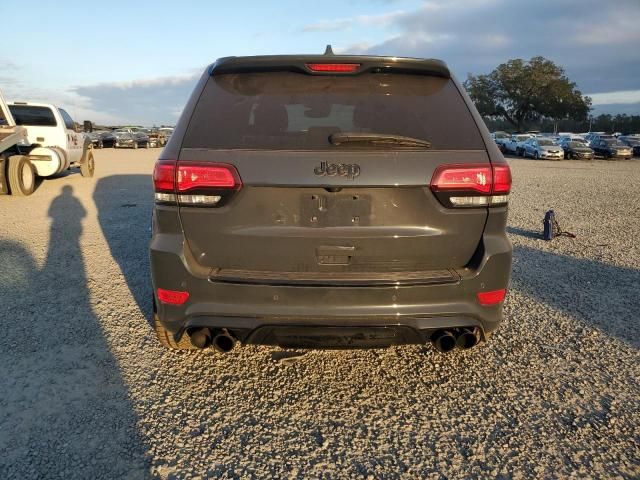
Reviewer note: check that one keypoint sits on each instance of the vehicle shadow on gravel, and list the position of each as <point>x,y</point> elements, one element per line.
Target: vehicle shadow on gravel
<point>124,205</point>
<point>65,408</point>
<point>597,294</point>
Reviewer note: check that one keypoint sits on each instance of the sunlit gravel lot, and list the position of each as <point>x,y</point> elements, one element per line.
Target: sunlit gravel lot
<point>87,392</point>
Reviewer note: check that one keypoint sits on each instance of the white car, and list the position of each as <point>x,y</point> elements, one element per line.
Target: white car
<point>542,148</point>
<point>515,143</point>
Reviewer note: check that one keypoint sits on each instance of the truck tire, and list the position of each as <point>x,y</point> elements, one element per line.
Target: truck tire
<point>88,166</point>
<point>21,176</point>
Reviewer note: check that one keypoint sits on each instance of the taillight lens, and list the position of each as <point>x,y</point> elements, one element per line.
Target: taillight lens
<point>472,185</point>
<point>333,67</point>
<point>198,176</point>
<point>476,178</point>
<point>164,176</point>
<point>501,179</point>
<point>194,183</point>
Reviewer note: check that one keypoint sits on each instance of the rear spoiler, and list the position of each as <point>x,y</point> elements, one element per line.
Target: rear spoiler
<point>300,64</point>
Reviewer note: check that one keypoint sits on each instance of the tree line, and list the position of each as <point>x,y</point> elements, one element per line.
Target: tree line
<point>536,94</point>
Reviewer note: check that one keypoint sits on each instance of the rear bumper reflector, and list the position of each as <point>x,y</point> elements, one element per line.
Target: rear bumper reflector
<point>172,297</point>
<point>492,298</point>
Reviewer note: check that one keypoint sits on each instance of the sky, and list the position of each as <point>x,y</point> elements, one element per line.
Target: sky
<point>123,62</point>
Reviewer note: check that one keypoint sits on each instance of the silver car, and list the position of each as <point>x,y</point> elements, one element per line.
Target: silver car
<point>542,148</point>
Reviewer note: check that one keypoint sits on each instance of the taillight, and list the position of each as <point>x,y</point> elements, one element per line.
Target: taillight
<point>164,175</point>
<point>194,183</point>
<point>193,176</point>
<point>501,179</point>
<point>333,67</point>
<point>471,185</point>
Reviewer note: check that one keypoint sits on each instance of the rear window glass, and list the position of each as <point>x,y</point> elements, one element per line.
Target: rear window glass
<point>283,110</point>
<point>34,116</point>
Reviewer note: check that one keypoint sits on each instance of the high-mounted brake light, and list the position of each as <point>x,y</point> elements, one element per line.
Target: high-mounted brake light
<point>333,67</point>
<point>472,185</point>
<point>194,183</point>
<point>491,298</point>
<point>172,297</point>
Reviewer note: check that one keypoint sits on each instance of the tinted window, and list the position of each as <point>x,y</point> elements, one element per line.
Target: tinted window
<point>33,116</point>
<point>295,111</point>
<point>68,122</point>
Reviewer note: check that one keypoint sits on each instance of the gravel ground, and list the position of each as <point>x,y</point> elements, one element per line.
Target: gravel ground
<point>87,392</point>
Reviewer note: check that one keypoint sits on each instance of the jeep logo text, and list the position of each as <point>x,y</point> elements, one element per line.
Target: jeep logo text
<point>350,171</point>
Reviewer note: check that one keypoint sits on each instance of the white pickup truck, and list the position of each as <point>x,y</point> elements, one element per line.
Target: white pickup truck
<point>49,145</point>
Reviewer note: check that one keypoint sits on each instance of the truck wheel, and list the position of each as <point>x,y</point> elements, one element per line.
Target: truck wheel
<point>165,337</point>
<point>21,176</point>
<point>88,166</point>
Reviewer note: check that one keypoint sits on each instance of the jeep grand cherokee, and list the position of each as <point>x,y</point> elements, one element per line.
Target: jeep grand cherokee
<point>328,201</point>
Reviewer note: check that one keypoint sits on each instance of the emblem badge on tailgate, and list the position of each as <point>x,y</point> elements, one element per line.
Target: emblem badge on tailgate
<point>350,171</point>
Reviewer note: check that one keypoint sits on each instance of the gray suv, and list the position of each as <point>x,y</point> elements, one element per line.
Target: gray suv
<point>329,201</point>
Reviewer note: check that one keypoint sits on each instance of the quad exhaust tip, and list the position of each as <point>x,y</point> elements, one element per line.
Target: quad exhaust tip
<point>223,342</point>
<point>467,338</point>
<point>200,338</point>
<point>444,341</point>
<point>464,338</point>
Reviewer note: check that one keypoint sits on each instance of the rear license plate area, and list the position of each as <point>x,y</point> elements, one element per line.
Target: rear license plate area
<point>335,209</point>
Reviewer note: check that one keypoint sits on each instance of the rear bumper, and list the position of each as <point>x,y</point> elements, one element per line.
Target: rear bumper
<point>259,313</point>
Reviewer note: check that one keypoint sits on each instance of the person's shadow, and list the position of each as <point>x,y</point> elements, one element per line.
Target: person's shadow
<point>64,406</point>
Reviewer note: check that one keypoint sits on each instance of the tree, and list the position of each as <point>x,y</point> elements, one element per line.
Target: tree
<point>520,92</point>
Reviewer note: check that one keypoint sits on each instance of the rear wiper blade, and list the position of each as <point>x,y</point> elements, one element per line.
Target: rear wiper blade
<point>377,139</point>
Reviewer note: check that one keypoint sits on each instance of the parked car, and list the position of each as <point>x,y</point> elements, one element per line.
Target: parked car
<point>101,138</point>
<point>108,139</point>
<point>572,138</point>
<point>157,138</point>
<point>632,141</point>
<point>589,137</point>
<point>542,148</point>
<point>94,138</point>
<point>576,150</point>
<point>500,138</point>
<point>299,248</point>
<point>515,143</point>
<point>126,139</point>
<point>611,148</point>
